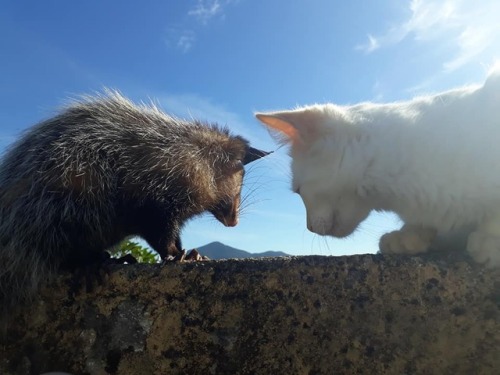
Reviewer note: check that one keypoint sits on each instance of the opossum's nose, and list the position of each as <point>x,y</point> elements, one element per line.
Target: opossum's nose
<point>230,222</point>
<point>227,212</point>
<point>229,219</point>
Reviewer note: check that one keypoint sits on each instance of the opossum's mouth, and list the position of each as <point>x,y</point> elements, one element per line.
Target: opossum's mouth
<point>228,222</point>
<point>227,212</point>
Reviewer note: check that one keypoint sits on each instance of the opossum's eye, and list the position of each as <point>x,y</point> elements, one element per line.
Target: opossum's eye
<point>238,166</point>
<point>234,166</point>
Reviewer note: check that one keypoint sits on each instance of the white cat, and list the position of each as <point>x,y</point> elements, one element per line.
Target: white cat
<point>433,160</point>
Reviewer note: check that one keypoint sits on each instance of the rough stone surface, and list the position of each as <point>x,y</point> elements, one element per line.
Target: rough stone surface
<point>369,314</point>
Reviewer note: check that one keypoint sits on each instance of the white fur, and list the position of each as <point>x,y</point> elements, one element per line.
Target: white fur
<point>433,160</point>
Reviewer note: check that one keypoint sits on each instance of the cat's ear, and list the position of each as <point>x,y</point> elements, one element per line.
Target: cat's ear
<point>295,126</point>
<point>286,130</point>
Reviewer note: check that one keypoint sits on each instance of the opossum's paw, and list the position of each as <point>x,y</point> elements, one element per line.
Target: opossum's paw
<point>409,240</point>
<point>183,256</point>
<point>484,248</point>
<point>178,257</point>
<point>195,256</point>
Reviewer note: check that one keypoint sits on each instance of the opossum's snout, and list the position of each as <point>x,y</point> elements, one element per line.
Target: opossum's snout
<point>227,212</point>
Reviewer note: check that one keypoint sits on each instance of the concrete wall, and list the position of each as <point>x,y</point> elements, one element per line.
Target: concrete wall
<point>308,315</point>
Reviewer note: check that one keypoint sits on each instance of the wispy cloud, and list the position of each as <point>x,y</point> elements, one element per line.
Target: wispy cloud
<point>205,10</point>
<point>180,39</point>
<point>183,36</point>
<point>372,45</point>
<point>471,29</point>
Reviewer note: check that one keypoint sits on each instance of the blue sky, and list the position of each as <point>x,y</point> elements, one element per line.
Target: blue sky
<point>221,60</point>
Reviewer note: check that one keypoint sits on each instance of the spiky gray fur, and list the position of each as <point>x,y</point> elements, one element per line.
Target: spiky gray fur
<point>63,181</point>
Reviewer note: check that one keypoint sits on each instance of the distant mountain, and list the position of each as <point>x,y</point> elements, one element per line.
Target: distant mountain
<point>217,250</point>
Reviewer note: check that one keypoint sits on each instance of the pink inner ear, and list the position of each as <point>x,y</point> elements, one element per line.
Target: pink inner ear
<point>280,125</point>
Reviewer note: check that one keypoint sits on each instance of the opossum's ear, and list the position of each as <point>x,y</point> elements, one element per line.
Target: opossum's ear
<point>254,154</point>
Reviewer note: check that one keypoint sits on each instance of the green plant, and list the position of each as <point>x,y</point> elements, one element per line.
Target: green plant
<point>140,253</point>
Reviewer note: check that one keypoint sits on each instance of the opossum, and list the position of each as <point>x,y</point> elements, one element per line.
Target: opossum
<point>102,170</point>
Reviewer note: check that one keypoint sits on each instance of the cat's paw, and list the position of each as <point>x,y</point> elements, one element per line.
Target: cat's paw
<point>408,240</point>
<point>484,248</point>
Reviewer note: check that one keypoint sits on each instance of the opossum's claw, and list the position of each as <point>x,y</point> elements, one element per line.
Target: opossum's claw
<point>195,256</point>
<point>177,257</point>
<point>183,256</point>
